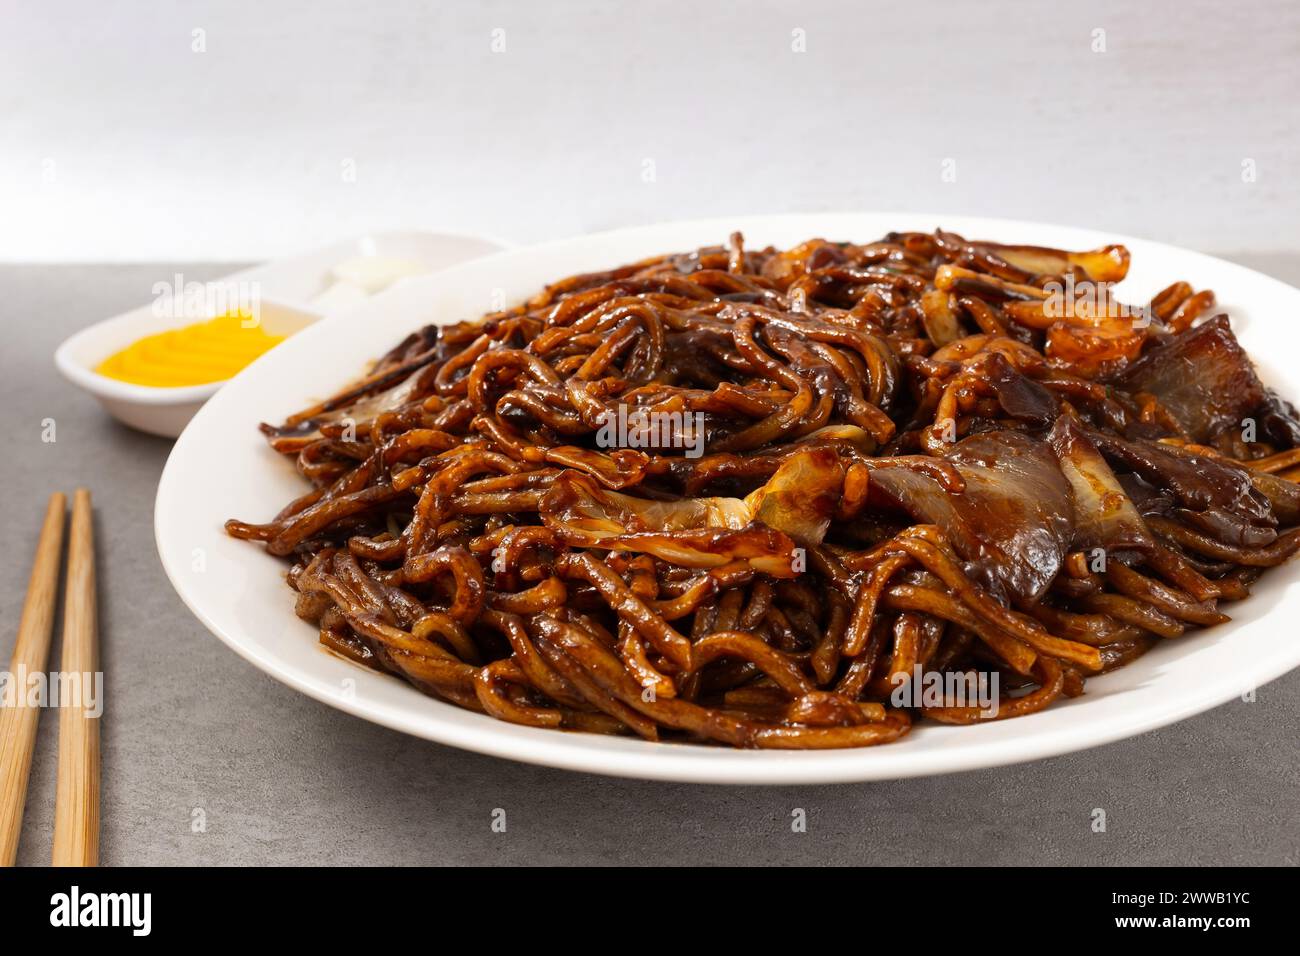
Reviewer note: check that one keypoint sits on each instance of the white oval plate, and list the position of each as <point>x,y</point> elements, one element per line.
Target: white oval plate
<point>221,468</point>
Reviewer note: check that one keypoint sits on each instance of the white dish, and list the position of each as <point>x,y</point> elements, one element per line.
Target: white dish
<point>158,411</point>
<point>301,280</point>
<point>221,468</point>
<point>292,293</point>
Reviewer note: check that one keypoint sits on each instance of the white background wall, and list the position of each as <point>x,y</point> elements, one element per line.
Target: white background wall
<point>119,142</point>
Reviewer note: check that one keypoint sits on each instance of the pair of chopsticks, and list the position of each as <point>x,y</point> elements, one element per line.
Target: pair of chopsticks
<point>76,802</point>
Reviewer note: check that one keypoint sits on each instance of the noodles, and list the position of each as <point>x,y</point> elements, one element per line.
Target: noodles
<point>791,499</point>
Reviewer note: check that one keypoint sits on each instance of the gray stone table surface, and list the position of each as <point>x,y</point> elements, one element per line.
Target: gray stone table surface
<point>282,779</point>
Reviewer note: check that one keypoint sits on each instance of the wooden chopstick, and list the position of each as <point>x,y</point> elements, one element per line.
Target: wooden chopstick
<point>31,652</point>
<point>76,800</point>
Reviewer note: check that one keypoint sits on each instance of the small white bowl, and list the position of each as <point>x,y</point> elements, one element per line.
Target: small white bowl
<point>292,293</point>
<point>158,411</point>
<point>302,280</point>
